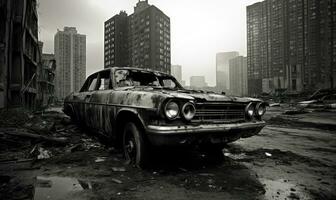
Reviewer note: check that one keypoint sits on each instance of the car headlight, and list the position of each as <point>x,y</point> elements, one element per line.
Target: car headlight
<point>250,110</point>
<point>260,109</point>
<point>171,110</point>
<point>188,111</point>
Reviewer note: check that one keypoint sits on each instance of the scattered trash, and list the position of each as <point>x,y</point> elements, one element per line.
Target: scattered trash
<point>76,147</point>
<point>182,169</point>
<point>116,180</point>
<point>89,144</point>
<point>210,181</point>
<point>274,105</point>
<point>268,154</point>
<point>43,154</point>
<point>235,156</point>
<point>24,133</point>
<point>206,174</point>
<point>212,186</point>
<point>295,112</point>
<point>118,169</point>
<point>332,106</point>
<point>100,159</point>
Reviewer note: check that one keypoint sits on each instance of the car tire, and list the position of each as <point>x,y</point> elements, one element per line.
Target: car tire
<point>134,145</point>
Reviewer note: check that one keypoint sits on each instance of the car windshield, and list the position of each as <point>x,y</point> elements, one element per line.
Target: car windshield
<point>127,77</point>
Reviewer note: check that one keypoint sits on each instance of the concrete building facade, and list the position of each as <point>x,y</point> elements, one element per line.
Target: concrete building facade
<point>70,56</point>
<point>222,70</point>
<point>176,71</point>
<point>46,80</point>
<point>19,53</point>
<point>238,76</point>
<point>291,45</point>
<point>141,39</point>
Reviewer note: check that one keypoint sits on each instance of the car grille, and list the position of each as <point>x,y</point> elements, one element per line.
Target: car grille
<point>219,112</point>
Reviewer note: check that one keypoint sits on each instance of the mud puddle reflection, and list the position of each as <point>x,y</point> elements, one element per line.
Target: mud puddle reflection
<point>55,187</point>
<point>281,189</point>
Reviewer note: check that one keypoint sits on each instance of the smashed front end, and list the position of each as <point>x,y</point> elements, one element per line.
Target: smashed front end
<point>190,122</point>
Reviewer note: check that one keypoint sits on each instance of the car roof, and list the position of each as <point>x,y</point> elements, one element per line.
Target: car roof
<point>134,68</point>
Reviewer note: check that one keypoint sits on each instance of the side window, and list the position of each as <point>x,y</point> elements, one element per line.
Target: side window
<point>104,82</point>
<point>93,84</point>
<point>89,84</point>
<point>168,83</point>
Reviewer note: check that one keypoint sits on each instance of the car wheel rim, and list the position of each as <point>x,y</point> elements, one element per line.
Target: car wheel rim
<point>130,147</point>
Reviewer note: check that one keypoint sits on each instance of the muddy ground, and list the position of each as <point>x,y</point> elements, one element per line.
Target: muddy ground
<point>290,159</point>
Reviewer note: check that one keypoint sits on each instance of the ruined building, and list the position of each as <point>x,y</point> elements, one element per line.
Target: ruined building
<point>70,56</point>
<point>291,45</point>
<point>46,77</point>
<point>141,39</point>
<point>19,53</point>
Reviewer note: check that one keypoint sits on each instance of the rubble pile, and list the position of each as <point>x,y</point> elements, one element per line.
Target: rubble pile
<point>41,135</point>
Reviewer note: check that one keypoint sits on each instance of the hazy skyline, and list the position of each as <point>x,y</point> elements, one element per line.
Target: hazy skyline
<point>199,29</point>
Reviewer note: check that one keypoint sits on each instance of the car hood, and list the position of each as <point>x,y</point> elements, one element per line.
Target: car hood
<point>198,95</point>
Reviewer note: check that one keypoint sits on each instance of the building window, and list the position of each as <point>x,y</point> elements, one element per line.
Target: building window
<point>294,84</point>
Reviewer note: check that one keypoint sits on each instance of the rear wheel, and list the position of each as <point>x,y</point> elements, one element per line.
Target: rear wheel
<point>134,145</point>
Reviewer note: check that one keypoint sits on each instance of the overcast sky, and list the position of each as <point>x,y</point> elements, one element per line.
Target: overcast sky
<point>199,29</point>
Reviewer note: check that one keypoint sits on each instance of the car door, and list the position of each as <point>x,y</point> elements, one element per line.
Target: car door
<point>83,98</point>
<point>99,99</point>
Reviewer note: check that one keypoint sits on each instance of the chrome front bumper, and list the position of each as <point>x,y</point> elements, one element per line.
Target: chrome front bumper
<point>205,133</point>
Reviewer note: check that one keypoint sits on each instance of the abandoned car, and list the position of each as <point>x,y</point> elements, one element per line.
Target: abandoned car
<point>139,109</point>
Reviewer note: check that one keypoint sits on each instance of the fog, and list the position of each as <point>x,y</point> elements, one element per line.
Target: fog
<point>199,29</point>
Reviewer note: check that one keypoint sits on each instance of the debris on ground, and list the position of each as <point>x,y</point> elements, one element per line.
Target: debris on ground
<point>100,159</point>
<point>43,154</point>
<point>116,180</point>
<point>119,169</point>
<point>22,133</point>
<point>239,174</point>
<point>274,105</point>
<point>76,147</point>
<point>295,112</point>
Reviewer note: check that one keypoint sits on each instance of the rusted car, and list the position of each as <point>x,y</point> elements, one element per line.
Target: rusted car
<point>140,109</point>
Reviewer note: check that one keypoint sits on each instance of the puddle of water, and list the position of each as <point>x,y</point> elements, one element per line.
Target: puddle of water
<point>281,190</point>
<point>58,187</point>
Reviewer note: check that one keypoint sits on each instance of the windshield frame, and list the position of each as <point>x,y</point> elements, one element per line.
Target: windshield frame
<point>158,75</point>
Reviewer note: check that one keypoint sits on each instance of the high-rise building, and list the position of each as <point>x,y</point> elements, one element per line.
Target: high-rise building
<point>222,69</point>
<point>116,46</point>
<point>291,45</point>
<point>198,82</point>
<point>19,53</point>
<point>141,39</point>
<point>70,55</point>
<point>238,76</point>
<point>176,71</point>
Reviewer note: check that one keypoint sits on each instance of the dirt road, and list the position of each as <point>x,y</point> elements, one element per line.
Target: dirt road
<point>283,162</point>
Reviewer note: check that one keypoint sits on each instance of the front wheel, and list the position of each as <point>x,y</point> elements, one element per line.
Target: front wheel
<point>134,145</point>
